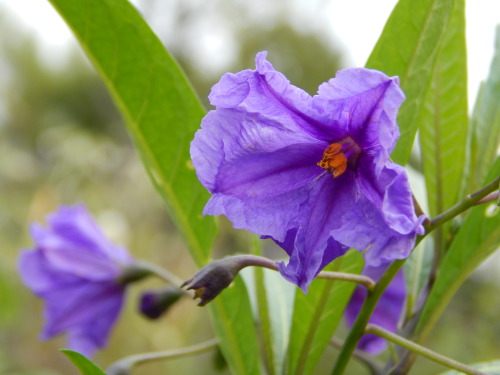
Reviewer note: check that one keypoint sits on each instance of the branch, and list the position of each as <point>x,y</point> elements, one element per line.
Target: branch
<point>255,260</point>
<point>125,365</point>
<point>421,350</point>
<point>468,202</point>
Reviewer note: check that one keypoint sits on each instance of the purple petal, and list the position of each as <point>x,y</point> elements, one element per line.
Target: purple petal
<point>73,257</point>
<point>94,334</point>
<point>77,304</point>
<point>39,275</point>
<point>76,223</point>
<point>365,104</point>
<point>314,247</point>
<point>257,170</point>
<point>386,314</point>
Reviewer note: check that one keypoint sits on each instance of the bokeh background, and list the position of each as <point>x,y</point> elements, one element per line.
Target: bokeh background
<point>62,142</point>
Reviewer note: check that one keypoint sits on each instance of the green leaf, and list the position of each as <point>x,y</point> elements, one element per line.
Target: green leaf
<point>417,269</point>
<point>444,118</point>
<point>491,368</point>
<point>408,48</point>
<point>160,108</point>
<point>317,314</point>
<point>233,320</point>
<point>478,237</point>
<point>162,114</point>
<point>272,300</point>
<point>485,124</point>
<point>85,365</point>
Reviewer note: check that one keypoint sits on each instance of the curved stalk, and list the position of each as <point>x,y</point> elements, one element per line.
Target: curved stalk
<point>421,350</point>
<point>125,365</point>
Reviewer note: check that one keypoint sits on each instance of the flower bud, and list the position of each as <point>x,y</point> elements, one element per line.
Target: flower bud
<point>212,279</point>
<point>155,303</point>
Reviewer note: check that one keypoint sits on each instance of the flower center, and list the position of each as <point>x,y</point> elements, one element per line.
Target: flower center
<point>334,161</point>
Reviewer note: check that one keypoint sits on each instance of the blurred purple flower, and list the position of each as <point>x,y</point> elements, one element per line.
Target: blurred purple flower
<point>75,268</point>
<point>312,173</point>
<point>386,314</point>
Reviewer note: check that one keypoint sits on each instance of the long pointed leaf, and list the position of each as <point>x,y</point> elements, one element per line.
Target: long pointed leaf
<point>162,114</point>
<point>407,48</point>
<point>478,237</point>
<point>161,110</point>
<point>485,124</point>
<point>444,118</point>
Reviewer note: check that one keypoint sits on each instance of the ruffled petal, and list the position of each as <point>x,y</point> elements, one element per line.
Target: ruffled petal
<point>73,257</point>
<point>94,334</point>
<point>39,275</point>
<point>73,305</point>
<point>362,104</point>
<point>77,226</point>
<point>314,246</point>
<point>257,169</point>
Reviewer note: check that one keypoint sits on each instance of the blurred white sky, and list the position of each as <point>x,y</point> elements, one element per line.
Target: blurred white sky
<point>356,24</point>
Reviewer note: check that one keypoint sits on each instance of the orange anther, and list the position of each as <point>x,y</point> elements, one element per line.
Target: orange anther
<point>334,161</point>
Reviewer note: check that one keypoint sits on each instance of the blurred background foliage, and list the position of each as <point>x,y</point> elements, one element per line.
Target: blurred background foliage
<point>62,142</point>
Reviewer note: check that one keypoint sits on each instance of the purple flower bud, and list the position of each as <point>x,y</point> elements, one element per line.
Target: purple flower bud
<point>212,279</point>
<point>155,303</point>
<point>74,268</point>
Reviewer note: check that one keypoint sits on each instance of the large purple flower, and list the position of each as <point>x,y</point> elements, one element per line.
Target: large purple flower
<point>387,313</point>
<point>74,268</point>
<point>312,173</point>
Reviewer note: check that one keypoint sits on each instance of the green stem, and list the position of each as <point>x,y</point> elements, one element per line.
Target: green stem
<point>423,351</point>
<point>371,364</point>
<point>153,269</point>
<point>125,365</point>
<point>359,325</point>
<point>254,260</point>
<point>158,271</point>
<point>465,204</point>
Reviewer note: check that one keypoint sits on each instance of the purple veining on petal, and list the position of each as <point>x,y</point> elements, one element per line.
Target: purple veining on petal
<point>258,153</point>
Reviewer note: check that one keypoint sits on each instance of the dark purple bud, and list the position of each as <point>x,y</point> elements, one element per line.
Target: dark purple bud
<point>155,303</point>
<point>212,279</point>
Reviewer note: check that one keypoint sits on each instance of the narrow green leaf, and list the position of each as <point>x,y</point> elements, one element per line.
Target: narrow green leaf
<point>233,320</point>
<point>85,365</point>
<point>491,368</point>
<point>407,48</point>
<point>485,124</point>
<point>274,298</point>
<point>161,110</point>
<point>417,270</point>
<point>478,237</point>
<point>444,118</point>
<point>317,314</point>
<point>162,114</point>
<point>280,299</point>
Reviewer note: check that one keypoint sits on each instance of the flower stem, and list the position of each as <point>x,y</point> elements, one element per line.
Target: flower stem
<point>161,273</point>
<point>423,351</point>
<point>255,260</point>
<point>359,325</point>
<point>125,365</point>
<point>460,207</point>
